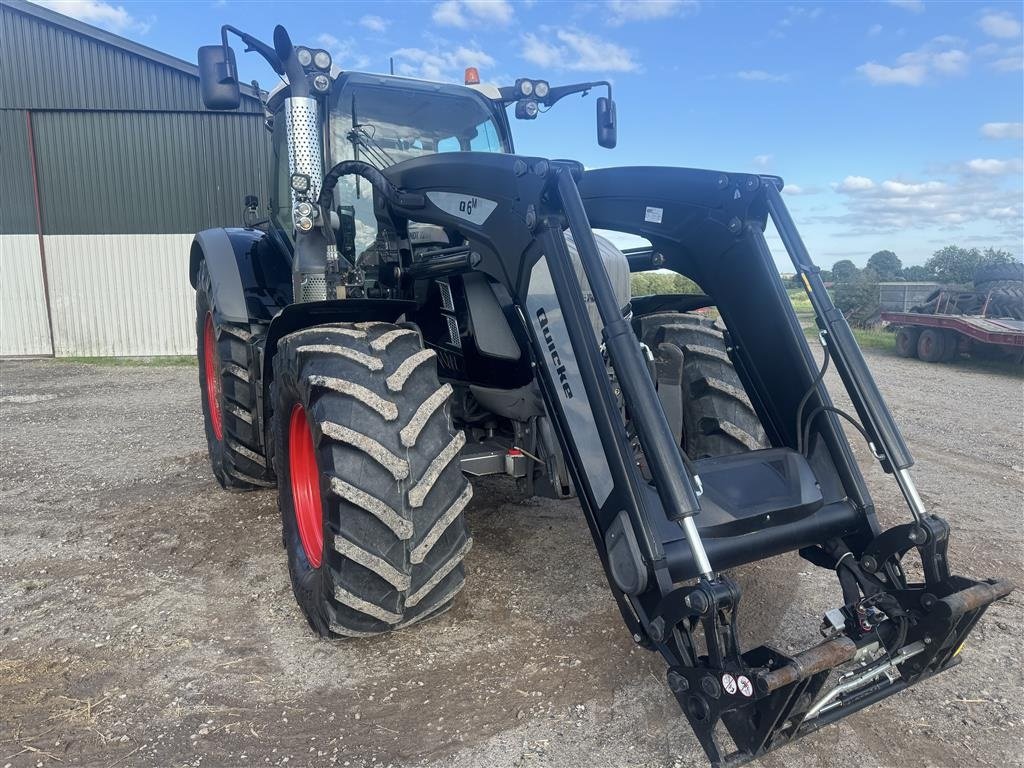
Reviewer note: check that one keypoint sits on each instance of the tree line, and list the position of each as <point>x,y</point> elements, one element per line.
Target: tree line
<point>855,290</point>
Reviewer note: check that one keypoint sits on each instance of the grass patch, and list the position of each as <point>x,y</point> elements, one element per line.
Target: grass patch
<point>800,301</point>
<point>167,361</point>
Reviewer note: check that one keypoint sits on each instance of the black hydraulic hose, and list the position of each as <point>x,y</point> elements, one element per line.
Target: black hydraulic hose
<point>822,409</point>
<point>807,396</point>
<point>377,179</point>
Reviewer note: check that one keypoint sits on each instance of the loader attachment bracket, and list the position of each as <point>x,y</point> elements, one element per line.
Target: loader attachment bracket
<point>765,698</point>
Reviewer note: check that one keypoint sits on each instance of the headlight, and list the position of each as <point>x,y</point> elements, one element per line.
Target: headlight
<point>304,55</point>
<point>322,83</point>
<point>322,60</point>
<point>526,87</point>
<point>526,109</point>
<point>541,88</point>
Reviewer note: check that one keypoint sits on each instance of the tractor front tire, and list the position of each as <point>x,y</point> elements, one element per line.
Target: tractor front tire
<point>718,420</point>
<point>371,491</point>
<point>227,390</point>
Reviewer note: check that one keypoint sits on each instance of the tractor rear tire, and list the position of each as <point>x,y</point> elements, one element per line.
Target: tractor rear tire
<point>719,420</point>
<point>906,341</point>
<point>371,490</point>
<point>931,345</point>
<point>717,416</point>
<point>227,377</point>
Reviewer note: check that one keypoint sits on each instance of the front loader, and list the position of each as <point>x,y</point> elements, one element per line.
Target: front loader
<point>425,307</point>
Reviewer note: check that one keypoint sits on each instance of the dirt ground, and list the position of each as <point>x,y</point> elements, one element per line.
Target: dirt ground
<point>146,617</point>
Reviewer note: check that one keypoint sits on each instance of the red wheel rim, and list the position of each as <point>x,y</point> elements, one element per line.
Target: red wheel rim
<point>305,486</point>
<point>211,377</point>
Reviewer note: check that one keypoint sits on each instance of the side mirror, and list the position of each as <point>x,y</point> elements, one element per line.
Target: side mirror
<point>607,133</point>
<point>218,81</point>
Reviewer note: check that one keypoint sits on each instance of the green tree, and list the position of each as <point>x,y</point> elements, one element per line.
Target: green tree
<point>857,296</point>
<point>886,263</point>
<point>843,271</point>
<point>953,264</point>
<point>997,256</point>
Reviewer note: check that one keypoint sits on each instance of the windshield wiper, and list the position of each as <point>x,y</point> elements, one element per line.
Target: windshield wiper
<point>374,152</point>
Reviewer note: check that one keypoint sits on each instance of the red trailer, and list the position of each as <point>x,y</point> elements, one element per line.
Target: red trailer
<point>941,338</point>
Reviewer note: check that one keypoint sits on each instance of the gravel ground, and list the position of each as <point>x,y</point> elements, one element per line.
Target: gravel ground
<point>146,617</point>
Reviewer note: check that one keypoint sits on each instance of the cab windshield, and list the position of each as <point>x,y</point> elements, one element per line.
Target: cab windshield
<point>384,125</point>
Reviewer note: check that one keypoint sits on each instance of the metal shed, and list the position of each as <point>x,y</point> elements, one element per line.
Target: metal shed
<point>110,164</point>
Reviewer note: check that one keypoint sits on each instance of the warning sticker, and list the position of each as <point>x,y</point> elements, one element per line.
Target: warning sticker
<point>653,215</point>
<point>746,688</point>
<point>729,683</point>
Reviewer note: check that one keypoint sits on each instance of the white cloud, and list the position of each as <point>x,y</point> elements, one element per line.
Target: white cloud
<point>623,11</point>
<point>1003,130</point>
<point>898,205</point>
<point>798,190</point>
<point>467,13</point>
<point>938,57</point>
<point>991,167</point>
<point>375,23</point>
<point>855,184</point>
<point>1012,61</point>
<point>577,51</point>
<point>999,24</point>
<point>880,74</point>
<point>763,161</point>
<point>914,6</point>
<point>112,17</point>
<point>759,75</point>
<point>344,52</point>
<point>437,64</point>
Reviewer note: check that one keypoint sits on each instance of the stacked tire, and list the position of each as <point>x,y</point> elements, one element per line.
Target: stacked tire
<point>1001,287</point>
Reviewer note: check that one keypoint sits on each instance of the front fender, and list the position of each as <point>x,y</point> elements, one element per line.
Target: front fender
<point>249,274</point>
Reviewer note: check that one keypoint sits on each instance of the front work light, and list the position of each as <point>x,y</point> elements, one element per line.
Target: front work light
<point>526,109</point>
<point>322,60</point>
<point>322,83</point>
<point>299,182</point>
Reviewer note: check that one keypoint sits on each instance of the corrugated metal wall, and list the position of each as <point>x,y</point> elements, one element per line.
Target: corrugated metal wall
<point>129,165</point>
<point>154,310</point>
<point>147,172</point>
<point>23,326</point>
<point>54,62</point>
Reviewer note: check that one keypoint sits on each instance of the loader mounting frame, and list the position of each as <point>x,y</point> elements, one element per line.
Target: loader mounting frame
<point>666,580</point>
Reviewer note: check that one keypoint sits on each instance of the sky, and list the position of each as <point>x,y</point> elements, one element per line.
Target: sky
<point>896,125</point>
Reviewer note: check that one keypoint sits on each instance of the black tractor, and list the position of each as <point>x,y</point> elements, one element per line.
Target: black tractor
<point>425,307</point>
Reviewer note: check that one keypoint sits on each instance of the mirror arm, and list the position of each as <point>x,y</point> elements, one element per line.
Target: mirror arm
<point>251,44</point>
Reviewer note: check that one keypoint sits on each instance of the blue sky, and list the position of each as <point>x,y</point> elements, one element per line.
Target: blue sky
<point>895,124</point>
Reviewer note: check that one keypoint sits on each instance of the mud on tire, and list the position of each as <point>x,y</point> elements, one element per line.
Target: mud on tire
<point>227,389</point>
<point>392,493</point>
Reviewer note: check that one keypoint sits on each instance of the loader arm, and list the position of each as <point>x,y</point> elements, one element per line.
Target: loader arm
<point>664,541</point>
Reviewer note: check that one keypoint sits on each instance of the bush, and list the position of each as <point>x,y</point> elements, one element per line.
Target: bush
<point>661,282</point>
